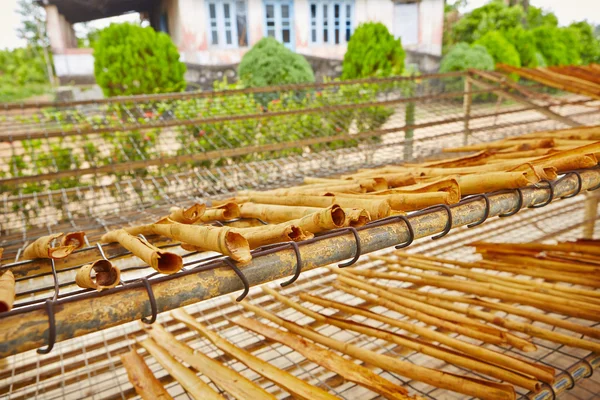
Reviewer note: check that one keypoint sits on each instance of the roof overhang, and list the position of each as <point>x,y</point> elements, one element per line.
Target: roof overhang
<point>88,10</point>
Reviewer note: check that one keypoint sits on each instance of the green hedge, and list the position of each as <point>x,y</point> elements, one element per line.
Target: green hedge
<point>501,50</point>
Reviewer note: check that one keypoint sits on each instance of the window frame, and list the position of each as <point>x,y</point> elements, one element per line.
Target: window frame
<point>221,27</point>
<point>332,23</point>
<point>278,20</point>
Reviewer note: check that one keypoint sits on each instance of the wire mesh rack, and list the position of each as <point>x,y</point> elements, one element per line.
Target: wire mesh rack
<point>151,152</point>
<point>90,367</point>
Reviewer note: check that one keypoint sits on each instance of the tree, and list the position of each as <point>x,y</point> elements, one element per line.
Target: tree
<point>589,44</point>
<point>129,59</point>
<point>373,51</point>
<point>33,31</point>
<point>524,43</point>
<point>501,50</point>
<point>559,46</point>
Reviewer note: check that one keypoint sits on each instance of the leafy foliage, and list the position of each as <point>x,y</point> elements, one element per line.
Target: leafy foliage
<point>494,16</point>
<point>373,51</point>
<point>270,63</point>
<point>22,73</point>
<point>462,57</point>
<point>129,59</point>
<point>559,46</point>
<point>501,50</point>
<point>589,44</point>
<point>524,43</point>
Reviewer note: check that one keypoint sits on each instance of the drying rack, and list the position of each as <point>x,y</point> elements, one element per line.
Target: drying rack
<point>49,300</point>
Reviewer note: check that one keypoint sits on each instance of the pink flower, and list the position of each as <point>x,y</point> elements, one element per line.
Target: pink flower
<point>148,114</point>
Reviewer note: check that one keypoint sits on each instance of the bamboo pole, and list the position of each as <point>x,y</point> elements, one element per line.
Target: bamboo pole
<point>289,382</point>
<point>142,379</point>
<point>389,301</point>
<point>548,303</point>
<point>328,359</point>
<point>510,324</point>
<point>27,329</point>
<point>193,385</point>
<point>532,315</point>
<point>469,386</point>
<point>421,346</point>
<point>232,382</point>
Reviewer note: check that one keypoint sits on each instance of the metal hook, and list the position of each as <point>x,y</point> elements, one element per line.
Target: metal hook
<point>51,328</point>
<point>448,226</point>
<point>551,389</point>
<point>298,269</point>
<point>148,286</point>
<point>242,277</point>
<point>358,248</point>
<point>591,368</point>
<point>519,205</point>
<point>579,185</point>
<point>411,233</point>
<point>550,187</point>
<point>486,212</point>
<point>570,375</point>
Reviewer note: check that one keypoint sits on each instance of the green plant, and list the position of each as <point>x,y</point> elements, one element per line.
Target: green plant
<point>493,16</point>
<point>589,44</point>
<point>524,43</point>
<point>373,51</point>
<point>559,46</point>
<point>501,50</point>
<point>462,57</point>
<point>129,59</point>
<point>270,63</point>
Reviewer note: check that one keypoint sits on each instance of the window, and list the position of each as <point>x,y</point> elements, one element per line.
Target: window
<point>228,23</point>
<point>331,21</point>
<point>279,21</point>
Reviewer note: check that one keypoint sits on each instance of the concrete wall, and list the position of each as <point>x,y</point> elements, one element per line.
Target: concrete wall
<point>60,31</point>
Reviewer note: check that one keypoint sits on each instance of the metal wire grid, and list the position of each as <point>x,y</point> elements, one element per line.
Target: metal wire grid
<point>128,201</point>
<point>90,367</point>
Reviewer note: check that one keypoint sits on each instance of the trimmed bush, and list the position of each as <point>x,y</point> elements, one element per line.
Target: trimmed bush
<point>462,57</point>
<point>129,60</point>
<point>270,63</point>
<point>559,46</point>
<point>373,51</point>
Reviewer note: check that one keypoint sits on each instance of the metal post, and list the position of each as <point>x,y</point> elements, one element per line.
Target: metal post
<point>591,212</point>
<point>467,98</point>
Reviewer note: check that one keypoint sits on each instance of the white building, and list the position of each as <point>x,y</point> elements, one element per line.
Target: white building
<point>219,32</point>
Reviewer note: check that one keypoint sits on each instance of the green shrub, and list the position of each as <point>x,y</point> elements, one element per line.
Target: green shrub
<point>524,43</point>
<point>462,57</point>
<point>129,60</point>
<point>270,63</point>
<point>589,45</point>
<point>494,16</point>
<point>559,46</point>
<point>373,51</point>
<point>501,50</point>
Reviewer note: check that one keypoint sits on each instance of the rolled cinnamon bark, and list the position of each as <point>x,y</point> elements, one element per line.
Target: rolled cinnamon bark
<point>492,181</point>
<point>274,213</point>
<point>293,385</point>
<point>269,234</point>
<point>42,248</point>
<point>474,387</point>
<point>449,185</point>
<point>223,212</point>
<point>389,300</point>
<point>75,239</point>
<point>227,379</point>
<point>347,369</point>
<point>356,217</point>
<point>189,215</point>
<point>529,143</point>
<point>193,385</point>
<point>377,208</point>
<point>162,261</point>
<point>107,275</point>
<point>7,291</point>
<point>223,240</point>
<point>142,379</point>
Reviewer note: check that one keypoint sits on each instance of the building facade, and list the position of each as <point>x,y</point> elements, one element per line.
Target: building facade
<point>218,32</point>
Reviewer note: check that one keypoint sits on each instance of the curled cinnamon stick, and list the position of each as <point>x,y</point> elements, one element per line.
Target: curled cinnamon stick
<point>189,215</point>
<point>7,291</point>
<point>223,212</point>
<point>42,248</point>
<point>162,261</point>
<point>76,239</point>
<point>107,275</point>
